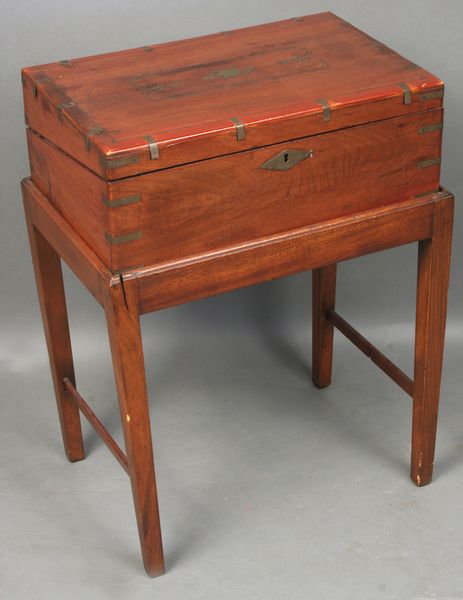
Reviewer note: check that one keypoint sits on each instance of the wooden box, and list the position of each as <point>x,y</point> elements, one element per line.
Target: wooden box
<point>166,152</point>
<point>170,173</point>
<point>161,153</point>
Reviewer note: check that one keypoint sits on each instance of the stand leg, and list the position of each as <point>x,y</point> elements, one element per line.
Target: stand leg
<point>431,308</point>
<point>323,298</point>
<point>120,302</point>
<point>49,279</point>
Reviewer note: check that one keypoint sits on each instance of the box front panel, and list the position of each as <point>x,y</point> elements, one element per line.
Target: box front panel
<point>233,200</point>
<point>229,201</point>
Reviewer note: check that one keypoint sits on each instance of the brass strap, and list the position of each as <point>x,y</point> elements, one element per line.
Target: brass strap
<point>429,162</point>
<point>326,109</point>
<point>122,239</point>
<point>431,127</point>
<point>432,95</point>
<point>407,93</point>
<point>153,147</point>
<point>90,134</point>
<point>116,163</point>
<point>240,129</point>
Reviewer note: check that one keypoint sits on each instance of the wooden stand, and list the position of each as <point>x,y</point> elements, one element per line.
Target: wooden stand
<point>124,297</point>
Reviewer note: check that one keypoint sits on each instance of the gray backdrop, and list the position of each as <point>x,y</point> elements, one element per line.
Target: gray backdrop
<point>228,336</point>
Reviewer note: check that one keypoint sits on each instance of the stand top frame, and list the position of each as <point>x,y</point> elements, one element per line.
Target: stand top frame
<point>212,273</point>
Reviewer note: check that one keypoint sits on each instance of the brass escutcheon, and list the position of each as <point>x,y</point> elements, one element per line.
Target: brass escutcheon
<point>286,159</point>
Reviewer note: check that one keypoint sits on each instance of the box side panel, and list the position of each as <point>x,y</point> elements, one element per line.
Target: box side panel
<point>224,202</point>
<point>73,190</point>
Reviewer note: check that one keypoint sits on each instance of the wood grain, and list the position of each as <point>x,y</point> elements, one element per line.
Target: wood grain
<point>184,94</point>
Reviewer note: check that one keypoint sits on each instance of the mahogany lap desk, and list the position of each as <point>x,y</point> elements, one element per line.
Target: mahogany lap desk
<point>173,172</point>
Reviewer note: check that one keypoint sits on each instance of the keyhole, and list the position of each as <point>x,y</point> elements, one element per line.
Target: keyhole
<point>286,157</point>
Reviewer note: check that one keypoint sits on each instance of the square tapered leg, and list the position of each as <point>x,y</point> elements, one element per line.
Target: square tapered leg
<point>50,288</point>
<point>431,309</point>
<point>323,300</point>
<point>120,302</point>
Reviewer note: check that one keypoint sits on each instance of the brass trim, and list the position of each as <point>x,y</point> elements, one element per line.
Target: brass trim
<point>431,127</point>
<point>427,193</point>
<point>432,95</point>
<point>230,73</point>
<point>121,201</point>
<point>116,163</point>
<point>326,109</point>
<point>60,107</point>
<point>90,134</point>
<point>240,129</point>
<point>297,18</point>
<point>39,79</point>
<point>407,95</point>
<point>286,159</point>
<point>122,239</point>
<point>428,162</point>
<point>153,147</point>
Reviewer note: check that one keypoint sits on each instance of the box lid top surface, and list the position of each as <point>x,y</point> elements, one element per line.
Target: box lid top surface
<point>154,107</point>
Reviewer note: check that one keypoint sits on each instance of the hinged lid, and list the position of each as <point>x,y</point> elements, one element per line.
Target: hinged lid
<point>158,106</point>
